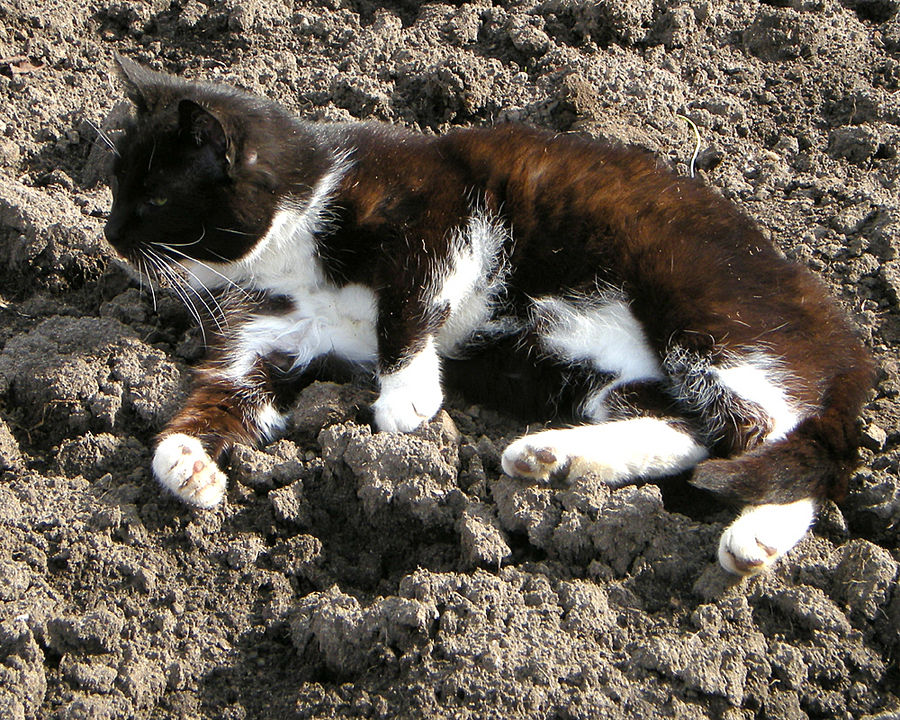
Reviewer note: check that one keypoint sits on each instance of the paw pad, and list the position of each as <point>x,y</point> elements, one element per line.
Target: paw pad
<point>182,466</point>
<point>523,460</point>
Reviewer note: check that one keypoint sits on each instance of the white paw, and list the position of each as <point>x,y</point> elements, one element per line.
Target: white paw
<point>401,412</point>
<point>762,534</point>
<point>182,466</point>
<point>535,457</point>
<point>411,395</point>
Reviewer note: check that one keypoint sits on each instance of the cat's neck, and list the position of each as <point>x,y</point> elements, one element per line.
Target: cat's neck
<point>285,260</point>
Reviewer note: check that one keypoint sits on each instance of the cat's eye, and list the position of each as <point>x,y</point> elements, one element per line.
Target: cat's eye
<point>158,201</point>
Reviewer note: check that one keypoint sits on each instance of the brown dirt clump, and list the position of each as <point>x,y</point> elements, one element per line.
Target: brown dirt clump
<point>356,575</point>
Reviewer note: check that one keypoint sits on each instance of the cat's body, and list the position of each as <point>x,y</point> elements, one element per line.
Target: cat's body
<point>591,283</point>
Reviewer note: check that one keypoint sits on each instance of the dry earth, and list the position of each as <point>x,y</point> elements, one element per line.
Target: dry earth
<point>358,575</point>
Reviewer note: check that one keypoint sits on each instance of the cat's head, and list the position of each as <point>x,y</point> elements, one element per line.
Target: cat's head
<point>201,170</point>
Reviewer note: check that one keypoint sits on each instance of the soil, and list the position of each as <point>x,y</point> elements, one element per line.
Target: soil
<point>352,574</point>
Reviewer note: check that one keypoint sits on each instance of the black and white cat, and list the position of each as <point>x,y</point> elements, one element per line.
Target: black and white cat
<point>545,273</point>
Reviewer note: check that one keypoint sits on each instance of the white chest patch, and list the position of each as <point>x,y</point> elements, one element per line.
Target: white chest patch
<point>284,261</point>
<point>325,318</point>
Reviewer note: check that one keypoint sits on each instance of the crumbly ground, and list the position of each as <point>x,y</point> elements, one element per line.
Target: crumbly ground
<point>359,575</point>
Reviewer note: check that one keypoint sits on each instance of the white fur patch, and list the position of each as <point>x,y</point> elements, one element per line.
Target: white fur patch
<point>604,334</point>
<point>269,421</point>
<point>474,281</point>
<point>762,534</point>
<point>182,466</point>
<point>285,258</point>
<point>326,319</point>
<point>756,381</point>
<point>607,335</point>
<point>617,452</point>
<point>412,394</point>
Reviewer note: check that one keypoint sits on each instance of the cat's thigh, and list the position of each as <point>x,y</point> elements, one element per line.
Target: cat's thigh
<point>762,534</point>
<point>618,451</point>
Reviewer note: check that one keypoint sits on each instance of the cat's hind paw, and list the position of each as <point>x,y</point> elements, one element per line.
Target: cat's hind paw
<point>529,457</point>
<point>762,534</point>
<point>183,467</point>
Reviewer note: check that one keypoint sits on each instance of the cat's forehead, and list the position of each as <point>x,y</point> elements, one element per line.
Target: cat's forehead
<point>140,144</point>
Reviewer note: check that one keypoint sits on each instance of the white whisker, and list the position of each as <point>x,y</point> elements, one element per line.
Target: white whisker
<point>175,283</point>
<point>204,265</point>
<point>105,138</point>
<point>219,311</point>
<point>188,244</point>
<point>235,232</point>
<point>149,281</point>
<point>215,312</point>
<point>141,276</point>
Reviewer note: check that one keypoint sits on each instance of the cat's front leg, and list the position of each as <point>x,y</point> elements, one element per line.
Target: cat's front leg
<point>410,316</point>
<point>410,394</point>
<point>219,413</point>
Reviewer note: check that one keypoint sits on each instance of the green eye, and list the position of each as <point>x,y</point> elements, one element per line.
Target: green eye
<point>158,201</point>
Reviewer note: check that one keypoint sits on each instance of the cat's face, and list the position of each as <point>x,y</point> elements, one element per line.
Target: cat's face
<point>190,179</point>
<point>174,194</point>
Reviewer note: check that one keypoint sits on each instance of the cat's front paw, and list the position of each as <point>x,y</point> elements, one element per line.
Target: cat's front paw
<point>535,457</point>
<point>411,395</point>
<point>762,534</point>
<point>400,412</point>
<point>182,466</point>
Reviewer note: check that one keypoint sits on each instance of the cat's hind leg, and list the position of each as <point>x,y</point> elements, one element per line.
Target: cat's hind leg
<point>746,411</point>
<point>624,445</point>
<point>618,452</point>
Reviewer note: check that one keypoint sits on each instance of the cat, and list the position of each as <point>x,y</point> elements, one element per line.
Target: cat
<point>546,273</point>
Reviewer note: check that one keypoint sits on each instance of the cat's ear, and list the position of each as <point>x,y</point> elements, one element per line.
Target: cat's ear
<point>203,128</point>
<point>146,88</point>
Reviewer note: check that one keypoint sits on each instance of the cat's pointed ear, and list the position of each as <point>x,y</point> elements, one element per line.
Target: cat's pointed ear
<point>144,87</point>
<point>203,128</point>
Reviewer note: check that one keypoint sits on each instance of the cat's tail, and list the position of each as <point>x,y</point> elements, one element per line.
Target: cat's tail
<point>814,460</point>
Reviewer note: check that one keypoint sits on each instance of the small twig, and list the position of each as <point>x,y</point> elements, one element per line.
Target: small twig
<point>696,135</point>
